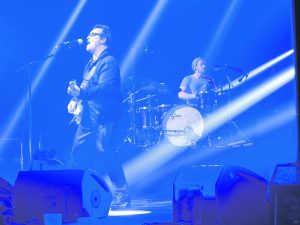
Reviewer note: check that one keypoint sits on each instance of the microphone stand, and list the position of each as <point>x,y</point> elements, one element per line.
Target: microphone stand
<point>244,74</point>
<point>230,85</point>
<point>232,122</point>
<point>28,68</point>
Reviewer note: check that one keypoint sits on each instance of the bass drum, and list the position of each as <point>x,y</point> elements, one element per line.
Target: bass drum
<point>183,125</point>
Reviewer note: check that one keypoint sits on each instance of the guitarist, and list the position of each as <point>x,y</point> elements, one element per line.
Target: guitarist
<point>99,98</point>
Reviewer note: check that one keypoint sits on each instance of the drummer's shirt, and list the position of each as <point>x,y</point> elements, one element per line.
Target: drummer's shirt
<point>194,85</point>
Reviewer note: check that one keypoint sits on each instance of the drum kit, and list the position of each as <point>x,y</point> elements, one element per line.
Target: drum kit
<point>146,117</point>
<point>151,120</point>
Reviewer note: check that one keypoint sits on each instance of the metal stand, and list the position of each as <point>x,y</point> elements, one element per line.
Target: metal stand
<point>233,125</point>
<point>28,68</point>
<point>131,137</point>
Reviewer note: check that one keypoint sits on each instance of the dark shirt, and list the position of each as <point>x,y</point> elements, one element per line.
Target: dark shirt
<point>101,95</point>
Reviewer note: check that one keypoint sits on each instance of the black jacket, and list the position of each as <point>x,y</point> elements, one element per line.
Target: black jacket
<point>101,98</point>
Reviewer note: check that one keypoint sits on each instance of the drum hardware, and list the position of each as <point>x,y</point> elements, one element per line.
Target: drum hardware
<point>230,84</point>
<point>132,109</point>
<point>144,126</point>
<point>209,141</point>
<point>244,75</point>
<point>188,132</point>
<point>174,131</point>
<point>193,105</point>
<point>160,111</point>
<point>231,125</point>
<point>131,137</point>
<point>146,98</point>
<point>145,116</point>
<point>142,131</point>
<point>238,137</point>
<point>207,100</point>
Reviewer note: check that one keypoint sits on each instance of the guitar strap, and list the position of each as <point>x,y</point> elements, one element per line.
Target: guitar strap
<point>87,78</point>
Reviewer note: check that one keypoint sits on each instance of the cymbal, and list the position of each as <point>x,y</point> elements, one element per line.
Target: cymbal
<point>146,98</point>
<point>156,87</point>
<point>146,86</point>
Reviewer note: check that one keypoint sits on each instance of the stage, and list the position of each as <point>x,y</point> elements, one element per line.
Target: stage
<point>190,107</point>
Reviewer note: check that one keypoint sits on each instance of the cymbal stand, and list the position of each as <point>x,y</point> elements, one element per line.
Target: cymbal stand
<point>230,87</point>
<point>132,111</point>
<point>151,113</point>
<point>132,137</point>
<point>152,132</point>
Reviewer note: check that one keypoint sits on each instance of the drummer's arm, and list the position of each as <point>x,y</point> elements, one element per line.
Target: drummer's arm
<point>184,95</point>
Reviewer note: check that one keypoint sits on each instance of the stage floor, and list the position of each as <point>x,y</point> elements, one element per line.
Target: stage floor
<point>142,211</point>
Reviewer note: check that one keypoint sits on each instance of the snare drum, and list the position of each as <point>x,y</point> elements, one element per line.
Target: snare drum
<point>183,125</point>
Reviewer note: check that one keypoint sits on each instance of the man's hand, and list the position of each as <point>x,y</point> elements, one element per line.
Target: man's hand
<point>73,89</point>
<point>72,106</point>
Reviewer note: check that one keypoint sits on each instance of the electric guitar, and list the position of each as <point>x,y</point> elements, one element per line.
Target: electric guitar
<point>79,106</point>
<point>78,110</point>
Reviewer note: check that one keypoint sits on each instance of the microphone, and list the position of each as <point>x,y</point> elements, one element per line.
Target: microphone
<point>245,76</point>
<point>71,43</point>
<point>216,67</point>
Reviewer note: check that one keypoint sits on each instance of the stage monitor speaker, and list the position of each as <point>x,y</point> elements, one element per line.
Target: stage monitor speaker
<point>215,194</point>
<point>6,207</point>
<point>285,195</point>
<point>73,193</point>
<point>11,158</point>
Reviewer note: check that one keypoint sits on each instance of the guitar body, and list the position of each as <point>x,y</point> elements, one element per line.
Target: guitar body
<point>79,106</point>
<point>77,112</point>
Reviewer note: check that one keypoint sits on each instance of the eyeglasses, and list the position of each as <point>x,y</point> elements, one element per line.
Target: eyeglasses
<point>93,34</point>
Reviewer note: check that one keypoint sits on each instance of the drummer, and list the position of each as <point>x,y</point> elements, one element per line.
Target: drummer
<point>194,86</point>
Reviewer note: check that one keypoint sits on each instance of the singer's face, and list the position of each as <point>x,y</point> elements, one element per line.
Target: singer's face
<point>200,67</point>
<point>93,40</point>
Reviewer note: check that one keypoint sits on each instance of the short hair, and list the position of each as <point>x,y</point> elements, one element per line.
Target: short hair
<point>106,33</point>
<point>195,61</point>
